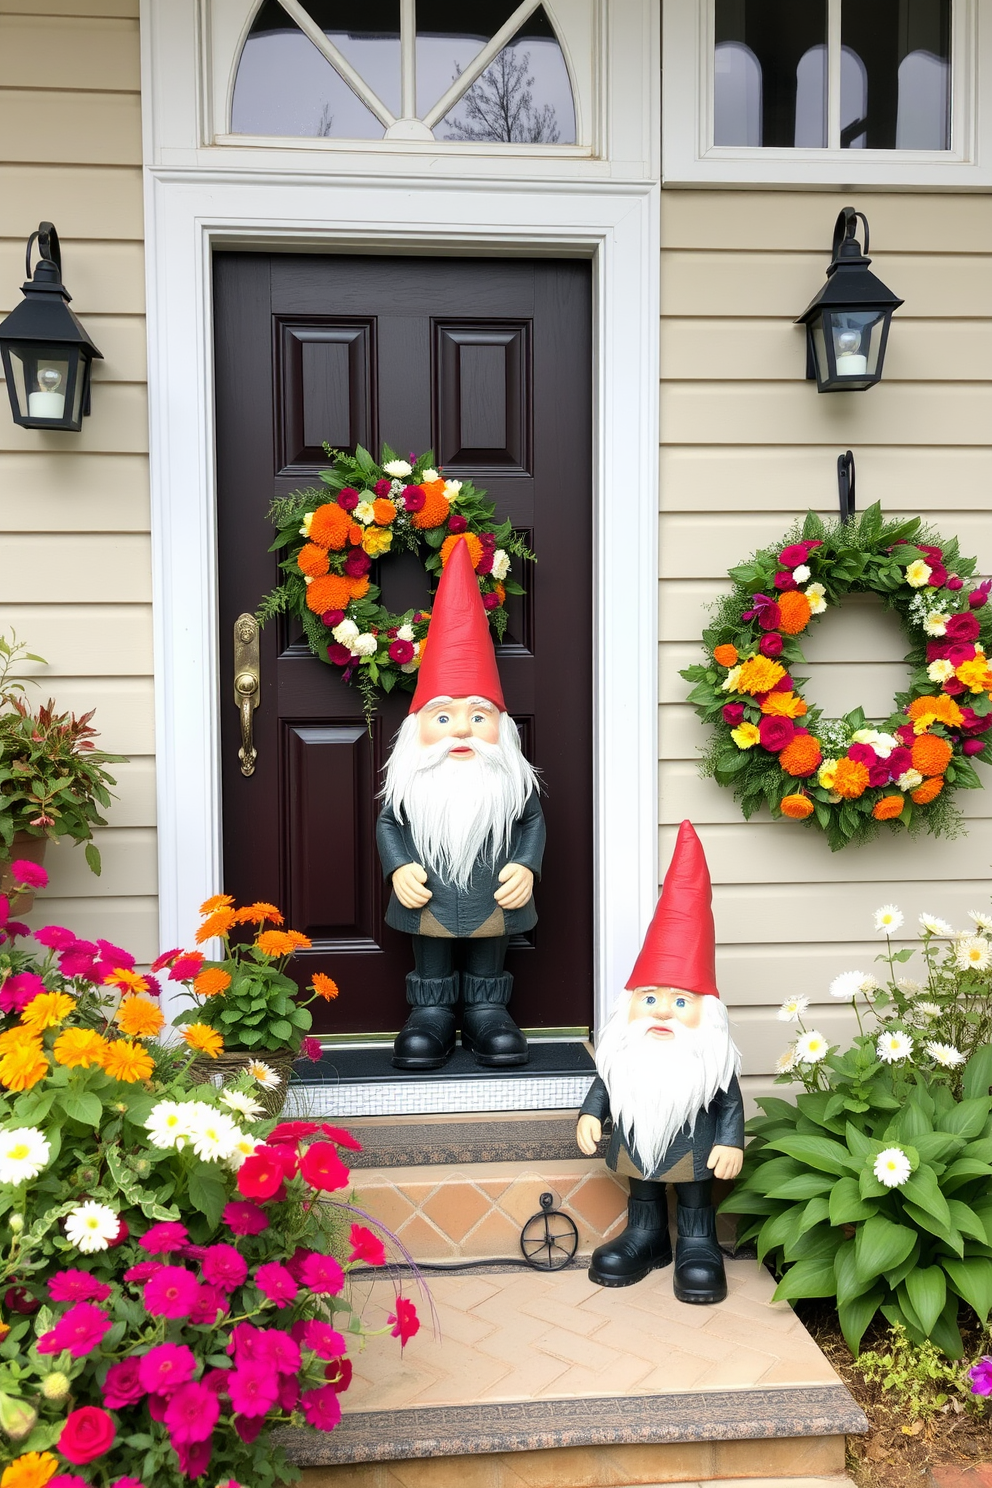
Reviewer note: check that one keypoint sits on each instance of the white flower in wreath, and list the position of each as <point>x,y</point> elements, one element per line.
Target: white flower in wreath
<point>816,594</point>
<point>364,512</point>
<point>307,519</point>
<point>802,573</point>
<point>729,683</point>
<point>396,489</point>
<point>826,773</point>
<point>365,645</point>
<point>909,780</point>
<point>941,670</point>
<point>501,564</point>
<point>935,623</point>
<point>452,490</point>
<point>399,469</point>
<point>409,666</point>
<point>883,744</point>
<point>405,633</point>
<point>345,633</point>
<point>430,475</point>
<point>918,573</point>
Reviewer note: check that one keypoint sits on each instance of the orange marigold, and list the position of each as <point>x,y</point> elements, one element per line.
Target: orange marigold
<point>300,941</point>
<point>931,754</point>
<point>332,592</point>
<point>922,795</point>
<point>850,778</point>
<point>783,705</point>
<point>46,1010</point>
<point>797,807</point>
<point>211,982</point>
<point>355,534</point>
<point>30,1470</point>
<point>216,901</point>
<point>16,1038</point>
<point>128,1062</point>
<point>758,674</point>
<point>313,561</point>
<point>257,913</point>
<point>941,707</point>
<point>383,511</point>
<point>78,1048</point>
<point>888,807</point>
<point>725,655</point>
<point>276,943</point>
<point>126,979</point>
<point>435,509</point>
<point>474,547</point>
<point>219,923</point>
<point>203,1038</point>
<point>795,610</point>
<point>359,587</point>
<point>329,526</point>
<point>23,1065</point>
<point>500,590</point>
<point>324,986</point>
<point>139,1017</point>
<point>800,756</point>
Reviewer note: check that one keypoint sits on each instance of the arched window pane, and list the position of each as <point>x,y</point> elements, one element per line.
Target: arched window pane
<point>523,98</point>
<point>922,114</point>
<point>779,35</point>
<point>904,109</point>
<point>450,34</point>
<point>853,100</point>
<point>367,32</point>
<point>811,99</point>
<point>737,101</point>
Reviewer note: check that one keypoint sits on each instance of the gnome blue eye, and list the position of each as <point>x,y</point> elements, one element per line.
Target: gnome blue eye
<point>681,1002</point>
<point>478,717</point>
<point>442,718</point>
<point>650,1001</point>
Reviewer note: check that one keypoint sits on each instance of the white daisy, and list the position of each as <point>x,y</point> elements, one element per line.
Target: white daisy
<point>892,1167</point>
<point>927,1010</point>
<point>168,1125</point>
<point>91,1227</point>
<point>243,1147</point>
<point>245,1105</point>
<point>973,953</point>
<point>933,925</point>
<point>264,1074</point>
<point>214,1135</point>
<point>815,594</point>
<point>982,921</point>
<point>944,1054</point>
<point>940,670</point>
<point>23,1153</point>
<point>364,512</point>
<point>786,1061</point>
<point>935,623</point>
<point>802,573</point>
<point>892,1047</point>
<point>399,469</point>
<point>846,986</point>
<point>792,1009</point>
<point>909,780</point>
<point>907,985</point>
<point>811,1047</point>
<point>888,918</point>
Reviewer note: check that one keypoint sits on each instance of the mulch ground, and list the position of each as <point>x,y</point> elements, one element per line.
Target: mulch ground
<point>947,1450</point>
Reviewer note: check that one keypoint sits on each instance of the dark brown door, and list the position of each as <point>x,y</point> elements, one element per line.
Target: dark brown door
<point>487,362</point>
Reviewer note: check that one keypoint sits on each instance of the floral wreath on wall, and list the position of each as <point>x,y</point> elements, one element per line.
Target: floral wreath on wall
<point>842,775</point>
<point>365,512</point>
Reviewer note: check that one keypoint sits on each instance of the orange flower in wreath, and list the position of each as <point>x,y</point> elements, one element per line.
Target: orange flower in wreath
<point>888,808</point>
<point>332,592</point>
<point>471,541</point>
<point>383,511</point>
<point>329,526</point>
<point>783,705</point>
<point>313,561</point>
<point>801,756</point>
<point>941,708</point>
<point>931,754</point>
<point>726,655</point>
<point>435,509</point>
<point>758,674</point>
<point>359,587</point>
<point>355,534</point>
<point>797,807</point>
<point>795,610</point>
<point>850,778</point>
<point>928,791</point>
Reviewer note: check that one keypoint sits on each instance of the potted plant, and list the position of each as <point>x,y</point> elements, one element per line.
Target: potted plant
<point>52,779</point>
<point>245,1013</point>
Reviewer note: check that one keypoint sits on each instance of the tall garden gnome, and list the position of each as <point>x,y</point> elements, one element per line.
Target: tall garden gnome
<point>461,836</point>
<point>668,1077</point>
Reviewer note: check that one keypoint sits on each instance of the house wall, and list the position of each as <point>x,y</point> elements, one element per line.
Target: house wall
<point>748,445</point>
<point>75,578</point>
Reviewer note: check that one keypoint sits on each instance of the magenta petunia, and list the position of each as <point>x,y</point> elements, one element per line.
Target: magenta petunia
<point>242,1217</point>
<point>77,1286</point>
<point>165,1367</point>
<point>22,871</point>
<point>127,1483</point>
<point>366,1247</point>
<point>194,1457</point>
<point>981,1376</point>
<point>326,1342</point>
<point>322,1274</point>
<point>209,1301</point>
<point>140,1273</point>
<point>321,1167</point>
<point>321,1407</point>
<point>192,1413</point>
<point>171,1292</point>
<point>20,989</point>
<point>55,937</point>
<point>338,1374</point>
<point>79,960</point>
<point>277,1283</point>
<point>246,1343</point>
<point>253,1388</point>
<point>123,1384</point>
<point>405,1320</point>
<point>248,1427</point>
<point>280,1351</point>
<point>289,1392</point>
<point>67,1480</point>
<point>224,1267</point>
<point>80,1330</point>
<point>342,1137</point>
<point>163,1238</point>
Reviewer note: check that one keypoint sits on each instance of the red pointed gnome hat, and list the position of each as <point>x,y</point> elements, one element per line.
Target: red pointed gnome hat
<point>460,660</point>
<point>679,949</point>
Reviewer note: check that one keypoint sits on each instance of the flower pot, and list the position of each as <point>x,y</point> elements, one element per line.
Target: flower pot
<point>23,847</point>
<point>225,1068</point>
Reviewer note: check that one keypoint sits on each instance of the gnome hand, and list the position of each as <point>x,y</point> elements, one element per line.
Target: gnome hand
<point>518,886</point>
<point>587,1134</point>
<point>408,884</point>
<point>726,1162</point>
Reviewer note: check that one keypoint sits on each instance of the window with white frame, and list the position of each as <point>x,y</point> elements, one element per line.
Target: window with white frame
<point>492,72</point>
<point>825,91</point>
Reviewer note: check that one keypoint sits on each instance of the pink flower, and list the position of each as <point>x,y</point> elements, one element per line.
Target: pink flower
<point>123,1384</point>
<point>253,1388</point>
<point>294,1263</point>
<point>326,1342</point>
<point>954,582</point>
<point>457,523</point>
<point>862,753</point>
<point>56,937</point>
<point>31,874</point>
<point>87,1434</point>
<point>973,746</point>
<point>245,1218</point>
<point>279,1350</point>
<point>348,498</point>
<point>225,1267</point>
<point>209,1301</point>
<point>186,967</point>
<point>733,713</point>
<point>338,654</point>
<point>794,554</point>
<point>171,1292</point>
<point>277,1284</point>
<point>321,1407</point>
<point>194,1457</point>
<point>20,989</point>
<point>899,761</point>
<point>164,1237</point>
<point>406,1320</point>
<point>879,773</point>
<point>485,564</point>
<point>981,1376</point>
<point>248,1427</point>
<point>330,618</point>
<point>166,958</point>
<point>80,1330</point>
<point>383,487</point>
<point>310,1049</point>
<point>246,1342</point>
<point>68,1480</point>
<point>139,1274</point>
<point>338,1374</point>
<point>79,960</point>
<point>357,563</point>
<point>784,580</point>
<point>77,1286</point>
<point>776,733</point>
<point>770,645</point>
<point>165,1367</point>
<point>321,1167</point>
<point>979,597</point>
<point>401,652</point>
<point>322,1274</point>
<point>289,1392</point>
<point>260,1175</point>
<point>366,1247</point>
<point>292,1131</point>
<point>963,627</point>
<point>128,1483</point>
<point>192,1413</point>
<point>414,498</point>
<point>491,601</point>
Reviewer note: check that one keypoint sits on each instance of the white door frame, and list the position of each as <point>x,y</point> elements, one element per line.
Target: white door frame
<point>193,209</point>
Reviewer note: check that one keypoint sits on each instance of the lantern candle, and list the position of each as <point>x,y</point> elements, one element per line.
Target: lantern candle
<point>47,402</point>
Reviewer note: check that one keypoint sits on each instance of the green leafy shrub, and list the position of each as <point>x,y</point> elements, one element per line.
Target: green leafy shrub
<point>916,1375</point>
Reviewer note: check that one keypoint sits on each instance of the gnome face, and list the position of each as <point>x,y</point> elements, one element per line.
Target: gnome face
<point>459,722</point>
<point>663,1010</point>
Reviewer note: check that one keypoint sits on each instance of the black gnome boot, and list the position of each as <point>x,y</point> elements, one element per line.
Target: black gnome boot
<point>699,1270</point>
<point>428,1035</point>
<point>487,1028</point>
<point>643,1246</point>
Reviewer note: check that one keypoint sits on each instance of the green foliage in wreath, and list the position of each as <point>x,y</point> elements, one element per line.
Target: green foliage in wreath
<point>847,776</point>
<point>333,535</point>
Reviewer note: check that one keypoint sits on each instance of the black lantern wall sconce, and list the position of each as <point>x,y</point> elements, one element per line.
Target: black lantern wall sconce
<point>847,323</point>
<point>47,355</point>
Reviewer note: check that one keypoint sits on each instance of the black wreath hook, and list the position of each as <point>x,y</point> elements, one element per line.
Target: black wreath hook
<point>845,486</point>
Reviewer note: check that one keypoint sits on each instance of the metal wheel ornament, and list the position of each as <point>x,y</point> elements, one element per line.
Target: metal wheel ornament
<point>549,1240</point>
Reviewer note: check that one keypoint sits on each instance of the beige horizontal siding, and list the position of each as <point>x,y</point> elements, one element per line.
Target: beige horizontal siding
<point>748,445</point>
<point>76,581</point>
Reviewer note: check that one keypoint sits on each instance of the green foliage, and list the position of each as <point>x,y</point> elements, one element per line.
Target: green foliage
<point>916,1375</point>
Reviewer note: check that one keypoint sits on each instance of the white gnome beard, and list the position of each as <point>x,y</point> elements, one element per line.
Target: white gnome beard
<point>657,1087</point>
<point>458,810</point>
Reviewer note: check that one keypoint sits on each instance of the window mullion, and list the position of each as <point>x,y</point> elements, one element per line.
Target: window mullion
<point>833,73</point>
<point>408,59</point>
<point>476,68</point>
<point>338,61</point>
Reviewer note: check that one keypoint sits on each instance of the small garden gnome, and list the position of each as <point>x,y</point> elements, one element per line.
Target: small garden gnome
<point>461,836</point>
<point>668,1077</point>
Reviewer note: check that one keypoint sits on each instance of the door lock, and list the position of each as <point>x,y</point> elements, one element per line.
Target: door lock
<point>246,685</point>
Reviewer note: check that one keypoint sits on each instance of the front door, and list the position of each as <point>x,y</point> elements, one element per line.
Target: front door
<point>487,363</point>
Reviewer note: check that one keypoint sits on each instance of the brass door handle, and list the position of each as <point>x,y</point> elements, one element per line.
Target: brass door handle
<point>247,680</point>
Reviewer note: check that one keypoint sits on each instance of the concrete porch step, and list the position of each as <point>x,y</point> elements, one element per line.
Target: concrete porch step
<point>546,1380</point>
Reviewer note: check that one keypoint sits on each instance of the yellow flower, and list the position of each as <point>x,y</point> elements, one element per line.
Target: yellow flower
<point>759,674</point>
<point>377,540</point>
<point>204,1039</point>
<point>30,1470</point>
<point>46,1010</point>
<point>826,774</point>
<point>127,980</point>
<point>78,1048</point>
<point>23,1065</point>
<point>746,736</point>
<point>783,705</point>
<point>917,573</point>
<point>139,1017</point>
<point>975,674</point>
<point>128,1062</point>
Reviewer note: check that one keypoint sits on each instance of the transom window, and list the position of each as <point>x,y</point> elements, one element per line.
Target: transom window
<point>489,72</point>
